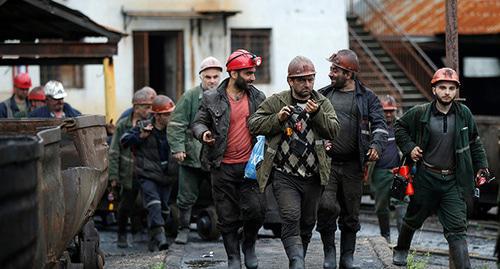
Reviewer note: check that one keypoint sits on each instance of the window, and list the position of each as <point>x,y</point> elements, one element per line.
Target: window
<point>258,42</point>
<point>71,76</point>
<point>481,67</point>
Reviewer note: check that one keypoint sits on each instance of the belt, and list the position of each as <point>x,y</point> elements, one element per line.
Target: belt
<point>444,172</point>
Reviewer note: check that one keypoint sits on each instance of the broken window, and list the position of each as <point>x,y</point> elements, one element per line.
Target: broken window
<point>257,41</point>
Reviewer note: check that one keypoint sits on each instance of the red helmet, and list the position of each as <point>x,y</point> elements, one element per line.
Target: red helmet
<point>445,74</point>
<point>22,81</point>
<point>163,104</point>
<point>389,103</point>
<point>242,59</point>
<point>345,59</point>
<point>37,94</point>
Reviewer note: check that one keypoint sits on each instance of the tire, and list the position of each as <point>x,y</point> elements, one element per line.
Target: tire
<point>206,224</point>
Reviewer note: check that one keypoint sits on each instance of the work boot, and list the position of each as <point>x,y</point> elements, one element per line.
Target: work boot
<point>400,213</point>
<point>122,241</point>
<point>347,247</point>
<point>401,249</point>
<point>385,227</point>
<point>158,240</point>
<point>304,246</point>
<point>248,246</point>
<point>295,255</point>
<point>183,233</point>
<point>232,246</point>
<point>459,254</point>
<point>328,239</point>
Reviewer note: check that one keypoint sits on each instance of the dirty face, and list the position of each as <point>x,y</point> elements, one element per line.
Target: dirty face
<point>55,105</point>
<point>162,119</point>
<point>210,78</point>
<point>244,78</point>
<point>445,92</point>
<point>143,110</point>
<point>22,94</point>
<point>338,77</point>
<point>302,86</point>
<point>389,116</point>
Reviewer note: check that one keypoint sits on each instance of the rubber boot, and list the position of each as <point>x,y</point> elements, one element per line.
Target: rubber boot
<point>122,241</point>
<point>401,249</point>
<point>347,247</point>
<point>328,239</point>
<point>459,254</point>
<point>304,246</point>
<point>232,246</point>
<point>295,255</point>
<point>385,228</point>
<point>400,213</point>
<point>158,240</point>
<point>248,245</point>
<point>183,233</point>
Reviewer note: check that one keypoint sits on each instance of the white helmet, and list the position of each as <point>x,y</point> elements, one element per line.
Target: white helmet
<point>210,62</point>
<point>55,89</point>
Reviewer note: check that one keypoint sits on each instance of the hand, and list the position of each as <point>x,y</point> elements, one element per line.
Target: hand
<point>416,153</point>
<point>110,128</point>
<point>372,154</point>
<point>328,145</point>
<point>485,172</point>
<point>179,156</point>
<point>114,183</point>
<point>284,113</point>
<point>146,131</point>
<point>311,106</point>
<point>208,138</point>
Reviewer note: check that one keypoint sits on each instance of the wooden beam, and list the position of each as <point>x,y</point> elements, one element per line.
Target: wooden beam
<point>56,50</point>
<point>109,89</point>
<point>49,61</point>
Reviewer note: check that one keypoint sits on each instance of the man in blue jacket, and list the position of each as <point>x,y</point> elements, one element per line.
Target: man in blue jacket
<point>17,105</point>
<point>362,135</point>
<point>56,107</point>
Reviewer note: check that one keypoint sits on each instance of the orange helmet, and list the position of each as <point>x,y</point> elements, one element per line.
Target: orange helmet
<point>345,59</point>
<point>22,81</point>
<point>389,103</point>
<point>445,74</point>
<point>242,59</point>
<point>163,104</point>
<point>37,94</point>
<point>300,66</point>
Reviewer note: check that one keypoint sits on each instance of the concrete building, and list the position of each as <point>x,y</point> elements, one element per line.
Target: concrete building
<point>168,38</point>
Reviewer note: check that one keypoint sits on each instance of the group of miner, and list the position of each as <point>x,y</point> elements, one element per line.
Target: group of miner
<point>318,147</point>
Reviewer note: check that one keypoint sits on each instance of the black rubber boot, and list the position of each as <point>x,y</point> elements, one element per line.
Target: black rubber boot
<point>385,228</point>
<point>248,245</point>
<point>328,239</point>
<point>459,255</point>
<point>183,233</point>
<point>401,249</point>
<point>158,240</point>
<point>304,246</point>
<point>232,246</point>
<point>347,247</point>
<point>295,255</point>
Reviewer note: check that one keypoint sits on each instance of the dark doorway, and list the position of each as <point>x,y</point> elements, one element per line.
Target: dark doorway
<point>159,62</point>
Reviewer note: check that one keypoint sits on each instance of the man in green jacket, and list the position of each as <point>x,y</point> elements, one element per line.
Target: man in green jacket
<point>121,167</point>
<point>295,164</point>
<point>185,148</point>
<point>442,138</point>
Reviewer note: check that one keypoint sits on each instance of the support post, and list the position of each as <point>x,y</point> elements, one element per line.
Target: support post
<point>109,89</point>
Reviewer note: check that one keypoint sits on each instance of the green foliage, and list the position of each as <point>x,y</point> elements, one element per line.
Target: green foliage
<point>416,263</point>
<point>158,265</point>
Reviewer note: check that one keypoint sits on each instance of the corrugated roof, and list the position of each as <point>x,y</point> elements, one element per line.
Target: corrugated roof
<point>427,17</point>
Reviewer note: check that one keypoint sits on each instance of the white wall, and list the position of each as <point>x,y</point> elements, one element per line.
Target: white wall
<point>299,27</point>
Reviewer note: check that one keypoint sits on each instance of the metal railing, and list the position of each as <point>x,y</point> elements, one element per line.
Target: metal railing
<point>405,53</point>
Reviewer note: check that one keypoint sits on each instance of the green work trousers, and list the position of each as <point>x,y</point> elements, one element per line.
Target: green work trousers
<point>380,185</point>
<point>190,181</point>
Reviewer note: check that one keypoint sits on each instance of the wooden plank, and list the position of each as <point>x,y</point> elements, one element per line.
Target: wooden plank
<point>141,59</point>
<point>58,50</point>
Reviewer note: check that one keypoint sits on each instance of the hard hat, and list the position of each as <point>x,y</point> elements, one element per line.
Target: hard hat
<point>163,104</point>
<point>300,66</point>
<point>242,59</point>
<point>22,81</point>
<point>210,62</point>
<point>445,74</point>
<point>37,94</point>
<point>345,59</point>
<point>389,103</point>
<point>142,97</point>
<point>55,90</point>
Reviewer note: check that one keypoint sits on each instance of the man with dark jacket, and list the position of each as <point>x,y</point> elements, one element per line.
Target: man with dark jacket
<point>121,169</point>
<point>152,151</point>
<point>221,125</point>
<point>56,107</point>
<point>185,148</point>
<point>17,105</point>
<point>295,122</point>
<point>442,138</point>
<point>361,138</point>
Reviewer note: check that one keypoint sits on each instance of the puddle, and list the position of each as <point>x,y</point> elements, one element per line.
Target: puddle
<point>203,263</point>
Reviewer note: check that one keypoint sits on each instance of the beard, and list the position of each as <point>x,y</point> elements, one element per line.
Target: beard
<point>338,83</point>
<point>443,102</point>
<point>241,83</point>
